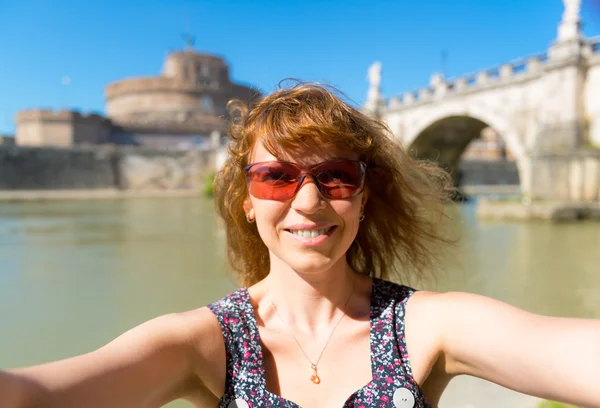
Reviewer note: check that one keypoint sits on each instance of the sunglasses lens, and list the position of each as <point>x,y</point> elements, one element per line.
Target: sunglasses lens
<point>336,179</point>
<point>272,180</point>
<point>340,179</point>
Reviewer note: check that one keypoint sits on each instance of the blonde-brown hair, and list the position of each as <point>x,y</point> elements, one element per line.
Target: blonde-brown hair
<point>400,232</point>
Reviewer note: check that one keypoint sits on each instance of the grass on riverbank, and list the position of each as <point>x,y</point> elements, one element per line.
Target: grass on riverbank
<point>589,146</point>
<point>553,404</point>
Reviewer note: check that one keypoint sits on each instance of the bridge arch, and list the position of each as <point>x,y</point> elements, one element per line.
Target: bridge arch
<point>495,121</point>
<point>444,134</point>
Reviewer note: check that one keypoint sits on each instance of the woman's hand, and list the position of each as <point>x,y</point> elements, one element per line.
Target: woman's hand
<point>548,357</point>
<point>148,366</point>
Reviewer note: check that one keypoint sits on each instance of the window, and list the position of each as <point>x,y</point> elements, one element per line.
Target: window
<point>206,103</point>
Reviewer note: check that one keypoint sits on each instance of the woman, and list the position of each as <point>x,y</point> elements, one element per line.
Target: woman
<point>321,207</point>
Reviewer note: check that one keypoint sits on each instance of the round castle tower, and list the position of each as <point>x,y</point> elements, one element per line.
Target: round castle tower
<point>188,98</point>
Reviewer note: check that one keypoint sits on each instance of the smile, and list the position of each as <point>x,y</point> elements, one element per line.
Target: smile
<point>306,233</point>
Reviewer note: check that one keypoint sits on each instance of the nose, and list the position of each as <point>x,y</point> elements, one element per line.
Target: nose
<point>308,199</point>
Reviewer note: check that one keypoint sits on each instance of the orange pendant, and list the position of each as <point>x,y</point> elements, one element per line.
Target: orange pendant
<point>315,377</point>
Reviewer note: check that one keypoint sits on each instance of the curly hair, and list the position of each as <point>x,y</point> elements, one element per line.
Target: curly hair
<point>400,234</point>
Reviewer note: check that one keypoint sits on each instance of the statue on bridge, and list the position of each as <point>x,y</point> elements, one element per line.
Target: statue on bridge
<point>572,9</point>
<point>570,25</point>
<point>374,75</point>
<point>374,98</point>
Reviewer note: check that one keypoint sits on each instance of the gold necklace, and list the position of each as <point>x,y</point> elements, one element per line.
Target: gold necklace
<point>315,375</point>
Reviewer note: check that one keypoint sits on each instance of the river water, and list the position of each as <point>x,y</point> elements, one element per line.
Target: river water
<point>76,274</point>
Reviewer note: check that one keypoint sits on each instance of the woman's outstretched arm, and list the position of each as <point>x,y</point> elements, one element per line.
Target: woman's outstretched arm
<point>548,357</point>
<point>148,366</point>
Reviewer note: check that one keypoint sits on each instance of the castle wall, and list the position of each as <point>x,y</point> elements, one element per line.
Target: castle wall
<point>93,129</point>
<point>60,129</point>
<point>7,140</point>
<point>44,128</point>
<point>38,168</point>
<point>29,134</point>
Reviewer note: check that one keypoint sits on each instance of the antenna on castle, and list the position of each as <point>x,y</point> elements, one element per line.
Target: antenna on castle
<point>187,36</point>
<point>189,41</point>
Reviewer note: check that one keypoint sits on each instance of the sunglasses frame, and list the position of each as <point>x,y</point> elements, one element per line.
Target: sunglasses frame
<point>306,171</point>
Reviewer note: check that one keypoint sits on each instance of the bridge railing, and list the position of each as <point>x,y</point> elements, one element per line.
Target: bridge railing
<point>595,44</point>
<point>519,68</point>
<point>439,86</point>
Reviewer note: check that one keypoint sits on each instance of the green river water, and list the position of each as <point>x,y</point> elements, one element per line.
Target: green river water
<point>76,274</point>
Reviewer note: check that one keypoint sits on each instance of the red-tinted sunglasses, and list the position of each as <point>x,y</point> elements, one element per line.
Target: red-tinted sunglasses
<point>277,180</point>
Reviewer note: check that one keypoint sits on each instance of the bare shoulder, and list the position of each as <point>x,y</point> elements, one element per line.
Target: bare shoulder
<point>194,325</point>
<point>440,314</point>
<point>202,332</point>
<point>422,334</point>
<point>438,307</point>
<point>195,330</point>
<point>424,311</point>
<point>439,325</point>
<point>462,327</point>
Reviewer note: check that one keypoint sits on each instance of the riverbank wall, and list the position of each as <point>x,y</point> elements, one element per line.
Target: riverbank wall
<point>565,186</point>
<point>54,172</point>
<point>556,211</point>
<point>109,171</point>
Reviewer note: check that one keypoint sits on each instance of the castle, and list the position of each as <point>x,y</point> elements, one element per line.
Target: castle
<point>180,109</point>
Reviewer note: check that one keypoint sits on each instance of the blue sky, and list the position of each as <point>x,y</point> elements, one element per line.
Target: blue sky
<point>97,42</point>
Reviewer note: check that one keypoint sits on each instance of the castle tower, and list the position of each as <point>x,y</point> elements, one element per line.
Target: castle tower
<point>188,100</point>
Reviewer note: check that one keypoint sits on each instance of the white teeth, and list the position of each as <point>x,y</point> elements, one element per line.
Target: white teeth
<point>310,233</point>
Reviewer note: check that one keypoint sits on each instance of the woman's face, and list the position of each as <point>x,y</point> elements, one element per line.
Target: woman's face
<point>280,222</point>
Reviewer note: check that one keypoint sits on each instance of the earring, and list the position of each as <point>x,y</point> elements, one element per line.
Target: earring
<point>250,220</point>
<point>362,217</point>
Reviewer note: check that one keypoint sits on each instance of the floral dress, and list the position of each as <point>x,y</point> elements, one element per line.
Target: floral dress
<point>392,384</point>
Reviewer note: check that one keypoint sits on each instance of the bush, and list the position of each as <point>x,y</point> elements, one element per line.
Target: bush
<point>207,189</point>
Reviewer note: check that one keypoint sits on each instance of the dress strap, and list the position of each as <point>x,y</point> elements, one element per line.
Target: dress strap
<point>402,294</point>
<point>389,352</point>
<point>234,313</point>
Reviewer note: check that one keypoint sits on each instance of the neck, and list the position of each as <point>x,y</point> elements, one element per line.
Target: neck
<point>310,301</point>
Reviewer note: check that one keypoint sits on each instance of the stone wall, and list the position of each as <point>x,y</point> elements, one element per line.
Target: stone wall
<point>592,100</point>
<point>7,140</point>
<point>573,176</point>
<point>29,168</point>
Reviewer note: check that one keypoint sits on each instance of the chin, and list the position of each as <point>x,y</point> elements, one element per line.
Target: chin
<point>310,265</point>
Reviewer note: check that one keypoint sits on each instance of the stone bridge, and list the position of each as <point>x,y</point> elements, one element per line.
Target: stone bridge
<point>546,107</point>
